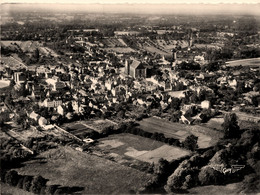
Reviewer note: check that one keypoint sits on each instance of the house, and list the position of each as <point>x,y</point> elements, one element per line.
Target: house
<point>55,83</point>
<point>205,104</point>
<point>19,77</point>
<point>51,103</point>
<point>186,119</point>
<point>232,83</point>
<point>42,121</point>
<point>34,116</point>
<point>135,69</point>
<point>61,110</point>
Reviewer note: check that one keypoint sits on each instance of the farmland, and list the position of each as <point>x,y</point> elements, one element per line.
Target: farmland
<point>76,169</point>
<point>123,146</point>
<point>87,125</point>
<point>30,46</point>
<point>245,62</point>
<point>206,136</point>
<point>120,49</point>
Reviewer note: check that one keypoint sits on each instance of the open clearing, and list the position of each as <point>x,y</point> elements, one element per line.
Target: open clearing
<point>214,189</point>
<point>140,148</point>
<point>206,136</point>
<point>7,189</point>
<point>67,167</point>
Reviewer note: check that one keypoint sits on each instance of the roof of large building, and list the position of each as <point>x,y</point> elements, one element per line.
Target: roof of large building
<point>136,64</point>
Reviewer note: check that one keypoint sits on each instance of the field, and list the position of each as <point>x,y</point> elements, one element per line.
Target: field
<point>153,49</point>
<point>12,62</point>
<point>215,123</point>
<point>78,130</point>
<point>67,167</point>
<point>6,189</point>
<point>120,49</point>
<point>245,62</point>
<point>30,46</point>
<point>122,146</point>
<point>206,136</point>
<point>214,189</point>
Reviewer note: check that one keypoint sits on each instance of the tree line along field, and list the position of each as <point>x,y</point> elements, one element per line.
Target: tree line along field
<point>76,169</point>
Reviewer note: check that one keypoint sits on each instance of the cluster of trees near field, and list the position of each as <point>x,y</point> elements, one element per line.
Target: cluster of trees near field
<point>35,184</point>
<point>237,147</point>
<point>13,154</point>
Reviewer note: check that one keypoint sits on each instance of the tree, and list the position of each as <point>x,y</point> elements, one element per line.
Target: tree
<point>209,176</point>
<point>121,114</point>
<point>58,191</point>
<point>50,189</point>
<point>4,117</point>
<point>191,142</point>
<point>161,167</point>
<point>12,178</point>
<point>20,183</point>
<point>37,183</point>
<point>27,183</point>
<point>36,54</point>
<point>230,126</point>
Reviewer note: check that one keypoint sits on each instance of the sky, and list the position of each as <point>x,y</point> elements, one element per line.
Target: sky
<point>251,7</point>
<point>133,1</point>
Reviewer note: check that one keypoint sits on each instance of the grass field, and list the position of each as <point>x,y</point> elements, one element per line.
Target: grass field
<point>140,148</point>
<point>5,189</point>
<point>215,123</point>
<point>120,49</point>
<point>206,136</point>
<point>67,167</point>
<point>214,189</point>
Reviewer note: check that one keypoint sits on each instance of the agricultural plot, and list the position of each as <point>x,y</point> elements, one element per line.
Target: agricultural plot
<point>48,51</point>
<point>215,123</point>
<point>123,146</point>
<point>245,62</point>
<point>12,62</point>
<point>120,49</point>
<point>98,125</point>
<point>67,167</point>
<point>153,49</point>
<point>206,136</point>
<point>78,129</point>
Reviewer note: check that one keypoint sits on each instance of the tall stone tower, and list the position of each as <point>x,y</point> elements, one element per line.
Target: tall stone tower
<point>127,67</point>
<point>174,57</point>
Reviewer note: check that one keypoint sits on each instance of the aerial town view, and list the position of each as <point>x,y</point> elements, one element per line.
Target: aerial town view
<point>130,99</point>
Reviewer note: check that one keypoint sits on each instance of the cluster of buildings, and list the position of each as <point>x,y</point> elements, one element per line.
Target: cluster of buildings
<point>95,87</point>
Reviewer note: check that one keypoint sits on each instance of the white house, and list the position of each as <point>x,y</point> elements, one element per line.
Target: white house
<point>34,116</point>
<point>51,104</point>
<point>42,121</point>
<point>60,110</point>
<point>205,104</point>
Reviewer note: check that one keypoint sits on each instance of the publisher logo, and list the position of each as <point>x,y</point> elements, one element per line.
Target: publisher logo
<point>225,170</point>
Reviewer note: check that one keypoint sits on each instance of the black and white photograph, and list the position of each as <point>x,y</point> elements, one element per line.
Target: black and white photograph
<point>129,97</point>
